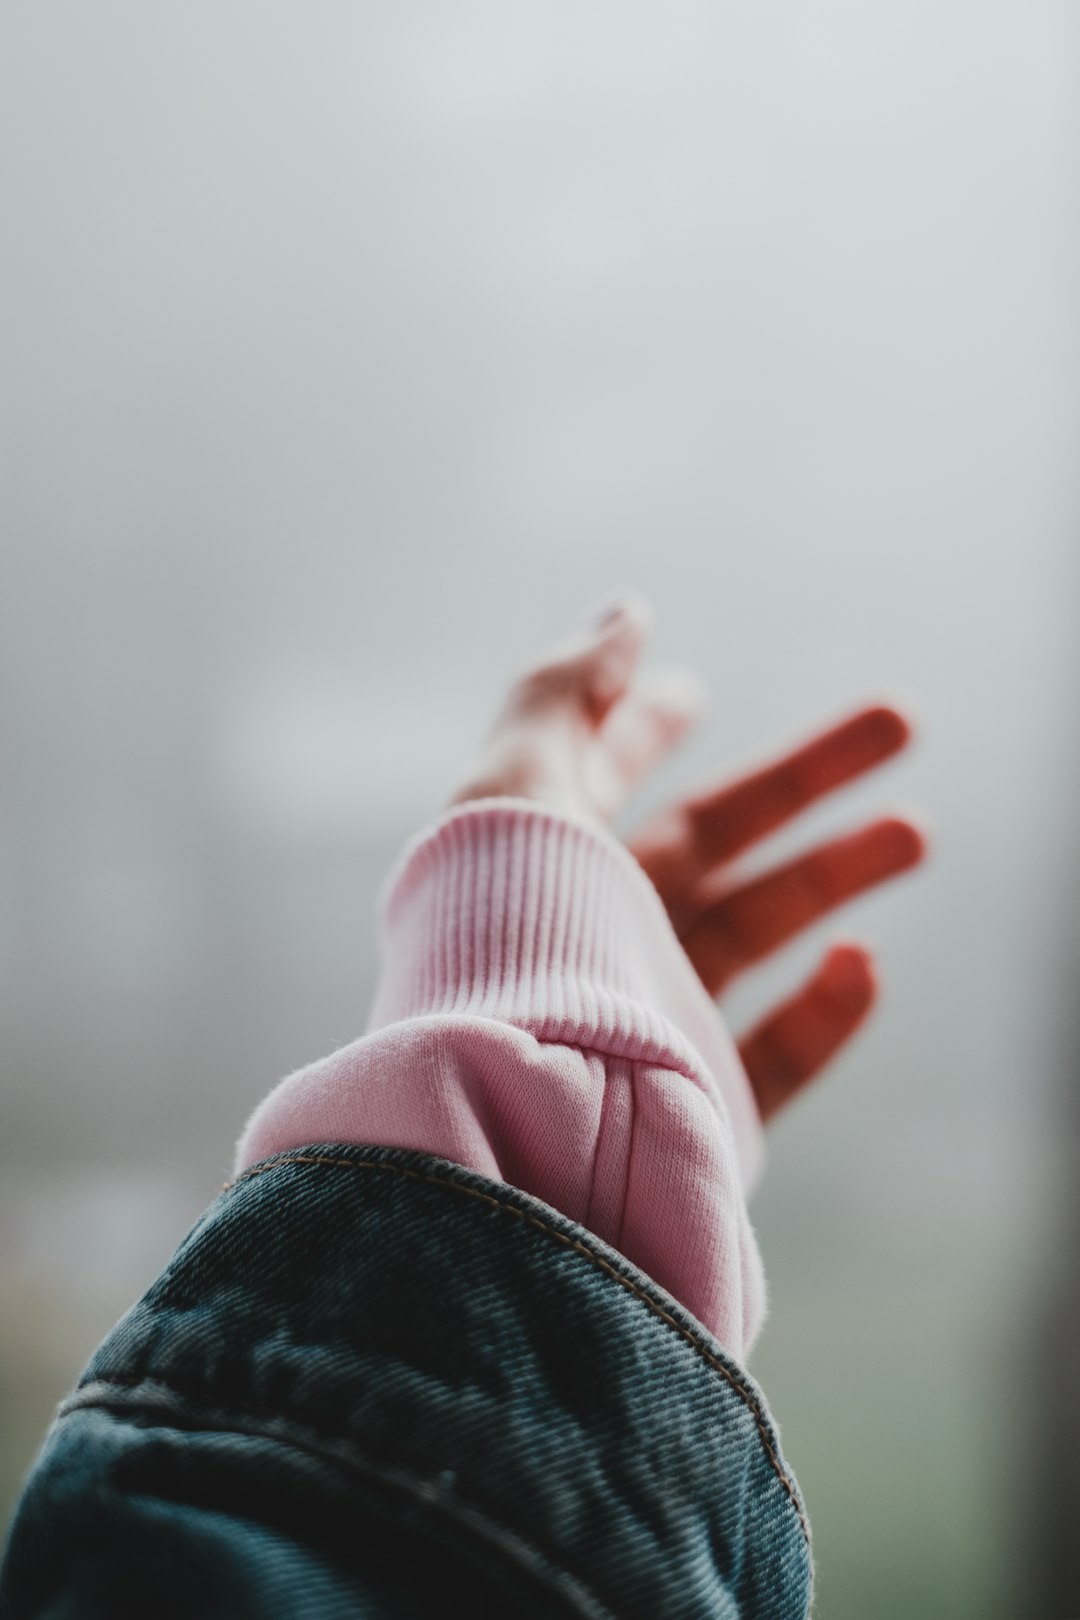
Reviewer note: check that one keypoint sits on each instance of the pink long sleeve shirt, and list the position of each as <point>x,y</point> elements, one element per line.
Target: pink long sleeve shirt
<point>537,1020</point>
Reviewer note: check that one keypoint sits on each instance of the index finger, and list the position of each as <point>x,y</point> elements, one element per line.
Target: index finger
<point>724,821</point>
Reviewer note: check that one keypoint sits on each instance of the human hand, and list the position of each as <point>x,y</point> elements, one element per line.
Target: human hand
<point>581,728</point>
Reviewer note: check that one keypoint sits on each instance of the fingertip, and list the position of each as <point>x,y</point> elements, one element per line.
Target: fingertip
<point>897,710</point>
<point>849,973</point>
<point>621,609</point>
<point>590,667</point>
<point>913,832</point>
<point>608,665</point>
<point>619,636</point>
<point>888,727</point>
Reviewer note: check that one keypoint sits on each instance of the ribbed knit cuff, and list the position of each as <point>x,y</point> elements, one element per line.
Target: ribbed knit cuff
<point>507,909</point>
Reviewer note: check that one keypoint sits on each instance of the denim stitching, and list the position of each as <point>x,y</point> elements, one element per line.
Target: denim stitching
<point>590,1254</point>
<point>308,1437</point>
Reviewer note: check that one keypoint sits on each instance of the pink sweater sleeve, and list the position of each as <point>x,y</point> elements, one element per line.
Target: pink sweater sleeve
<point>537,1020</point>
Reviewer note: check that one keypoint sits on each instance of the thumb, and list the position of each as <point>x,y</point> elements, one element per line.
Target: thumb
<point>586,673</point>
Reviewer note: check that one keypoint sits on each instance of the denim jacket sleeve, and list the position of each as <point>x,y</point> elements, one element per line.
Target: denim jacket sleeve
<point>373,1382</point>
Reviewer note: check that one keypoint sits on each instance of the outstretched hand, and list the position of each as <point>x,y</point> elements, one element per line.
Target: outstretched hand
<point>581,728</point>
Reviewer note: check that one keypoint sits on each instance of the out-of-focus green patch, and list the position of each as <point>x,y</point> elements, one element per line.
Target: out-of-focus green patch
<point>902,1439</point>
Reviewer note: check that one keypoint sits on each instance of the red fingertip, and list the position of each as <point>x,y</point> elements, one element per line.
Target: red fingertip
<point>896,714</point>
<point>848,973</point>
<point>909,836</point>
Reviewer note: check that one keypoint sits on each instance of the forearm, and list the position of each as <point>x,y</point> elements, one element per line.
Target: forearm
<point>537,1021</point>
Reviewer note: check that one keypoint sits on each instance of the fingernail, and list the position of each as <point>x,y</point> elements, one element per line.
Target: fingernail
<point>611,612</point>
<point>623,605</point>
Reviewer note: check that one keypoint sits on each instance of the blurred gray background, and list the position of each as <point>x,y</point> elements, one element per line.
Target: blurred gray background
<point>350,354</point>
